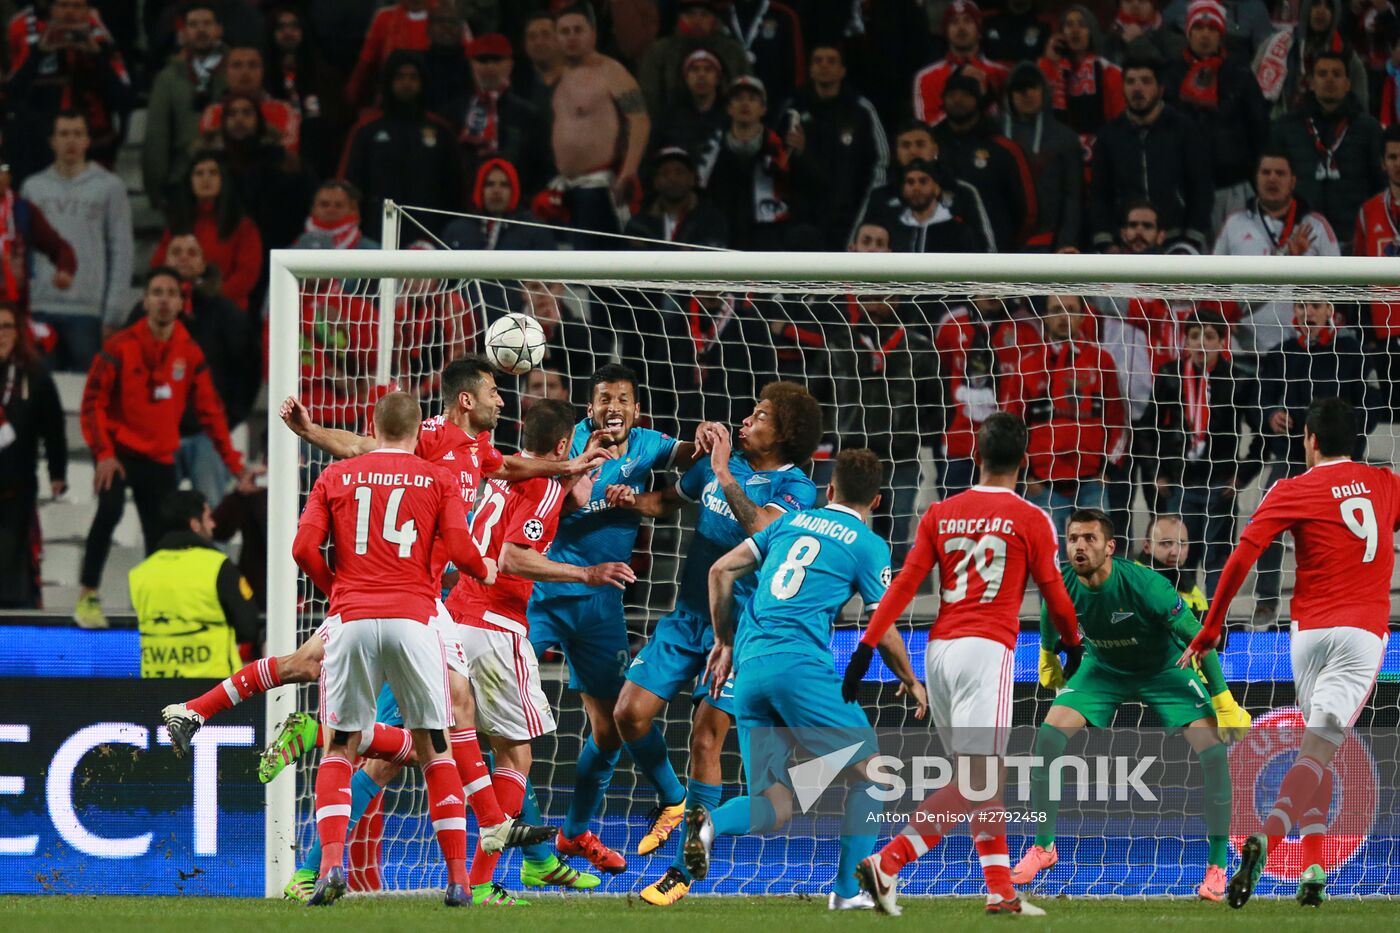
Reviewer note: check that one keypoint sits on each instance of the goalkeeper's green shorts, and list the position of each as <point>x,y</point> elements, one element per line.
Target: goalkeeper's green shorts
<point>1096,692</point>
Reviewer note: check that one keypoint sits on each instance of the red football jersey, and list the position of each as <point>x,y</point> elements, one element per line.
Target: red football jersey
<point>468,458</point>
<point>516,513</point>
<point>1343,516</point>
<point>985,542</point>
<point>384,509</point>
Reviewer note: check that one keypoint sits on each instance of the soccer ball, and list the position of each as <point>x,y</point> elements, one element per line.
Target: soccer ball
<point>515,344</point>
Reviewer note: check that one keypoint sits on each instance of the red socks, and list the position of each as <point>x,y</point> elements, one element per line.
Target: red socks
<point>476,778</point>
<point>448,812</point>
<point>1298,791</point>
<point>924,831</point>
<point>989,835</point>
<point>332,809</point>
<point>258,677</point>
<point>387,743</point>
<point>510,793</point>
<point>1312,826</point>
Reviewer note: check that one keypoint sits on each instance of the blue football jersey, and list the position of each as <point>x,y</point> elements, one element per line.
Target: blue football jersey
<point>597,532</point>
<point>717,532</point>
<point>810,564</point>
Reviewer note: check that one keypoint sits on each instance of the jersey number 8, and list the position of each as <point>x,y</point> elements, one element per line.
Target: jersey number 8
<point>793,570</point>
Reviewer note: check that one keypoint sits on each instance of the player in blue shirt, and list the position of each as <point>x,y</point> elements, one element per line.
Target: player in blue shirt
<point>739,494</point>
<point>809,564</point>
<point>586,623</point>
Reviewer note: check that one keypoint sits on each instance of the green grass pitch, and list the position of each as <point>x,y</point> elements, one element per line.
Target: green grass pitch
<point>59,914</point>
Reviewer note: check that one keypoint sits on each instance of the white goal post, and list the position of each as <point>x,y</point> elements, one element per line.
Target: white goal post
<point>1187,277</point>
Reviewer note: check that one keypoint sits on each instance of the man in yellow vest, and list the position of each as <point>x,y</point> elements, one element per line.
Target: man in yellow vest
<point>193,605</point>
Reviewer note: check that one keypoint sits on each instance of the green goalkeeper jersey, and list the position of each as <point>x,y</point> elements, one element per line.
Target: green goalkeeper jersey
<point>1135,623</point>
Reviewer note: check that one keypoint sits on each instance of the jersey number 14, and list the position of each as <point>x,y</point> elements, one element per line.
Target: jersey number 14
<point>403,535</point>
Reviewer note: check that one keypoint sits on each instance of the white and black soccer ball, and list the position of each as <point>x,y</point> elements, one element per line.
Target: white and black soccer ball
<point>515,344</point>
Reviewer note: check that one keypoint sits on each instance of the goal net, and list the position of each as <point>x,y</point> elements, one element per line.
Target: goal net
<point>1153,386</point>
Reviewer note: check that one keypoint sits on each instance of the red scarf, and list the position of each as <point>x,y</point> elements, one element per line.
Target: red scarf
<point>9,238</point>
<point>481,127</point>
<point>1074,79</point>
<point>855,313</point>
<point>1195,391</point>
<point>1201,86</point>
<point>344,236</point>
<point>1123,20</point>
<point>1280,242</point>
<point>1327,165</point>
<point>705,330</point>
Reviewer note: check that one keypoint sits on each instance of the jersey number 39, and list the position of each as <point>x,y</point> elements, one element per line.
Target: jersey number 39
<point>985,555</point>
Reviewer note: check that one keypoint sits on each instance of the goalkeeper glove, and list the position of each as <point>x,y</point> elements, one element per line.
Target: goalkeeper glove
<point>855,672</point>
<point>1073,655</point>
<point>1052,676</point>
<point>1231,719</point>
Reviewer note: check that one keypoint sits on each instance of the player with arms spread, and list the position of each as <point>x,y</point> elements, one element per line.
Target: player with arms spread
<point>383,511</point>
<point>515,524</point>
<point>985,543</point>
<point>739,494</point>
<point>1343,516</point>
<point>809,565</point>
<point>1134,624</point>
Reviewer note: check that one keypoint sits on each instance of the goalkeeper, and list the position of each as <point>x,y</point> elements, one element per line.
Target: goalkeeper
<point>1134,625</point>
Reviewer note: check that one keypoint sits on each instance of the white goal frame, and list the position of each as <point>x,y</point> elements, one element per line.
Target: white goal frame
<point>1055,272</point>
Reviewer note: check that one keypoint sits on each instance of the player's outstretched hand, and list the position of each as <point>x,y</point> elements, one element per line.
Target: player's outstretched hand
<point>590,459</point>
<point>855,672</point>
<point>1198,647</point>
<point>613,573</point>
<point>721,446</point>
<point>620,496</point>
<point>916,692</point>
<point>702,438</point>
<point>491,570</point>
<point>1074,654</point>
<point>295,416</point>
<point>718,668</point>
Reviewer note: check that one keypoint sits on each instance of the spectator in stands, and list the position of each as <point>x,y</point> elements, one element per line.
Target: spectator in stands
<point>1375,28</point>
<point>1201,405</point>
<point>927,223</point>
<point>1318,32</point>
<point>76,66</point>
<point>136,394</point>
<point>1066,390</point>
<point>886,376</point>
<point>980,345</point>
<point>1220,92</point>
<point>969,144</point>
<point>244,77</point>
<point>1248,24</point>
<point>771,35</point>
<point>209,208</point>
<point>1377,233</point>
<point>573,337</point>
<point>600,131</point>
<point>447,72</point>
<point>697,27</point>
<point>87,206</point>
<point>697,121</point>
<point>227,338</point>
<point>404,152</point>
<point>299,76</point>
<point>962,27</point>
<point>1151,147</point>
<point>193,607</point>
<point>273,187</point>
<point>1140,29</point>
<point>30,412</point>
<point>25,230</point>
<point>1086,90</point>
<point>29,26</point>
<point>334,221</point>
<point>838,132</point>
<point>537,74</point>
<point>1275,222</point>
<point>1167,550</point>
<point>193,79</point>
<point>678,213</point>
<point>752,181</point>
<point>492,121</point>
<point>1017,34</point>
<point>1054,155</point>
<point>1320,361</point>
<point>402,27</point>
<point>496,194</point>
<point>885,204</point>
<point>1334,146</point>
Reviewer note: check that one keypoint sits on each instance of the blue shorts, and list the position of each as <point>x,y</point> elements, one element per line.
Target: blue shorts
<point>387,709</point>
<point>675,657</point>
<point>783,701</point>
<point>592,633</point>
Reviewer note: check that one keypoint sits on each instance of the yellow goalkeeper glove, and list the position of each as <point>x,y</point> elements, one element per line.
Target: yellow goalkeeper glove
<point>1052,675</point>
<point>1231,719</point>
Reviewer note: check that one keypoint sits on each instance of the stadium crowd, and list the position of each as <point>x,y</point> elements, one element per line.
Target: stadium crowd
<point>1239,127</point>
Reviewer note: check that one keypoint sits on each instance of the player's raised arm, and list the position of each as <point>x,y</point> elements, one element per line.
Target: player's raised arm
<point>339,444</point>
<point>750,515</point>
<point>524,561</point>
<point>655,504</point>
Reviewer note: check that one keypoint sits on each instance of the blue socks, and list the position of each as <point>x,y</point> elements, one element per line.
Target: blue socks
<point>530,815</point>
<point>859,830</point>
<point>697,794</point>
<point>649,752</point>
<point>591,780</point>
<point>363,790</point>
<point>742,815</point>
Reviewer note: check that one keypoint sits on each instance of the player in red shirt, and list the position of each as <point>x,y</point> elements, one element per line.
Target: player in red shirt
<point>985,542</point>
<point>1343,516</point>
<point>384,511</point>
